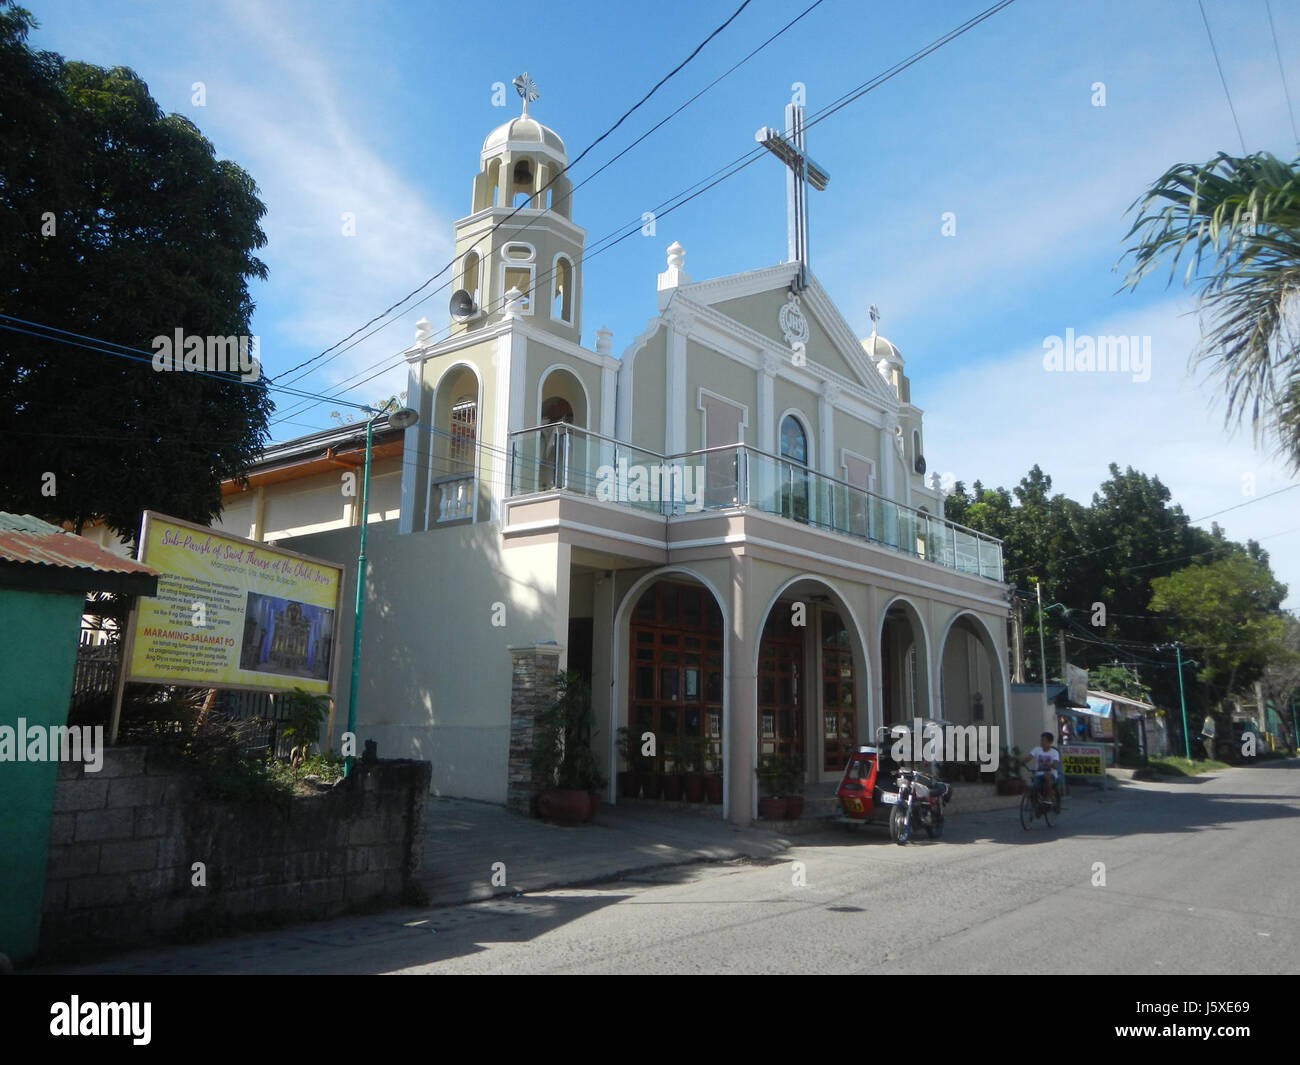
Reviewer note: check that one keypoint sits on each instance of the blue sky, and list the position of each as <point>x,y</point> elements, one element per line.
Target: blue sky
<point>380,108</point>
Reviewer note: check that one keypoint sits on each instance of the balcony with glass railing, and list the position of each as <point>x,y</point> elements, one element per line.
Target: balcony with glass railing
<point>564,458</point>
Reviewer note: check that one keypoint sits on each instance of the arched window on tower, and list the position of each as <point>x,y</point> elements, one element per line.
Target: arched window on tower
<point>794,469</point>
<point>464,428</point>
<point>562,291</point>
<point>469,275</point>
<point>521,185</point>
<point>554,458</point>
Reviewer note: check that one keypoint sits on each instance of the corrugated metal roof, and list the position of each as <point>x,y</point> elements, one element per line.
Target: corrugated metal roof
<point>26,539</point>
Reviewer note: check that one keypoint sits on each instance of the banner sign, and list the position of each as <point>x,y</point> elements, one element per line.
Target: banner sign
<point>232,613</point>
<point>1080,760</point>
<point>1077,685</point>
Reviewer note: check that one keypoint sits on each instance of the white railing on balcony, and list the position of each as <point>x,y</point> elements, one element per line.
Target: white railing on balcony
<point>451,498</point>
<point>563,457</point>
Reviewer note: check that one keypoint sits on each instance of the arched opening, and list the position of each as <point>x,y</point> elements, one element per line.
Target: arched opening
<point>469,275</point>
<point>812,698</point>
<point>562,291</point>
<point>562,455</point>
<point>676,679</point>
<point>970,675</point>
<point>794,468</point>
<point>904,665</point>
<point>522,183</point>
<point>454,453</point>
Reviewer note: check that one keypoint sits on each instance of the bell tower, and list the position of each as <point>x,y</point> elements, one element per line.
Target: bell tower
<point>538,252</point>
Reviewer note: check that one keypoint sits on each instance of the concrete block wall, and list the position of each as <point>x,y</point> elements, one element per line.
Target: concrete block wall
<point>124,843</point>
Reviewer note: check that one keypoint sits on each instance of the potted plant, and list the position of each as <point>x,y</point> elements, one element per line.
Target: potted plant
<point>794,788</point>
<point>713,782</point>
<point>563,763</point>
<point>692,757</point>
<point>671,779</point>
<point>773,774</point>
<point>629,781</point>
<point>1009,780</point>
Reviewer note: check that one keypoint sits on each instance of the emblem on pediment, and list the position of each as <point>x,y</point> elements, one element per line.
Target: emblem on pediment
<point>794,326</point>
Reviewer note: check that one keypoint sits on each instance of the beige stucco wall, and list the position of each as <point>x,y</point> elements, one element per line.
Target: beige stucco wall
<point>649,387</point>
<point>435,671</point>
<point>724,377</point>
<point>761,313</point>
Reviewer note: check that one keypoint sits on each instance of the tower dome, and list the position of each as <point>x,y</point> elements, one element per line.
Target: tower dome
<point>523,134</point>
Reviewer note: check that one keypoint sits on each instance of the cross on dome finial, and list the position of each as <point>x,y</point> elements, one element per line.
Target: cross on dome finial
<point>875,316</point>
<point>526,89</point>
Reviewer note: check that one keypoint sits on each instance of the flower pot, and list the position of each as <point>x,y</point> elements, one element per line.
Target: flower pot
<point>649,784</point>
<point>564,805</point>
<point>1010,787</point>
<point>793,807</point>
<point>594,796</point>
<point>713,789</point>
<point>629,785</point>
<point>693,786</point>
<point>770,809</point>
<point>672,785</point>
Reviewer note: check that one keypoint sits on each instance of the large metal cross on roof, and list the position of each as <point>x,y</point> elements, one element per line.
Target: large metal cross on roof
<point>789,148</point>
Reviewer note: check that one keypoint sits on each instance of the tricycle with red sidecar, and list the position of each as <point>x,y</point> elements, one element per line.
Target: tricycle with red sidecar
<point>873,780</point>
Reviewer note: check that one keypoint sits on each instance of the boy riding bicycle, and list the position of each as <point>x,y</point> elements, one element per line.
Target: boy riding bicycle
<point>1047,762</point>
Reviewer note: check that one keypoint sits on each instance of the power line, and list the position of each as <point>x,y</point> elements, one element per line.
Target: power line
<point>1215,50</point>
<point>1253,499</point>
<point>384,313</point>
<point>757,152</point>
<point>568,195</point>
<point>1278,52</point>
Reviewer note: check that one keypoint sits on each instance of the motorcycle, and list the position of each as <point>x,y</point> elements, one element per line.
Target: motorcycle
<point>920,799</point>
<point>912,797</point>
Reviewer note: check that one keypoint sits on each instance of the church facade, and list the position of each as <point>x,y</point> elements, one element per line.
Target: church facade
<point>727,528</point>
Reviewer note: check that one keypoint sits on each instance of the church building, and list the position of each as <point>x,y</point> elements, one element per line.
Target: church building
<point>726,527</point>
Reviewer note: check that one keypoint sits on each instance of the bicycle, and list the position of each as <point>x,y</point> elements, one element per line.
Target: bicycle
<point>1034,806</point>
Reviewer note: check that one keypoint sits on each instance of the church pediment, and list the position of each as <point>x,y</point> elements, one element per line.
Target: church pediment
<point>760,302</point>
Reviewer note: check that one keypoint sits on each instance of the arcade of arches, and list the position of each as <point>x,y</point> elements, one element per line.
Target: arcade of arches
<point>811,698</point>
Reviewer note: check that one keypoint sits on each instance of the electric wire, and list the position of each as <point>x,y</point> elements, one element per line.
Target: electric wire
<point>1281,70</point>
<point>384,313</point>
<point>1215,50</point>
<point>568,195</point>
<point>754,153</point>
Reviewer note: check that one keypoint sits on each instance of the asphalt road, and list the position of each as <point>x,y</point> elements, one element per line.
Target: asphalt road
<point>1199,877</point>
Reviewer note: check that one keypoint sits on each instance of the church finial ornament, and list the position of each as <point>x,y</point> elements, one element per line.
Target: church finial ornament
<point>527,90</point>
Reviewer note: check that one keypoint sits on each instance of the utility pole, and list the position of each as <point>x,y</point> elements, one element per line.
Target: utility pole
<point>1018,642</point>
<point>1042,647</point>
<point>1182,701</point>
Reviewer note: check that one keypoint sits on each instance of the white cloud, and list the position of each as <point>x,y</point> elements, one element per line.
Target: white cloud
<point>995,418</point>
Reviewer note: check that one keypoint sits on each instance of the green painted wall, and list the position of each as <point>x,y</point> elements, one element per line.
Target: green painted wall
<point>39,655</point>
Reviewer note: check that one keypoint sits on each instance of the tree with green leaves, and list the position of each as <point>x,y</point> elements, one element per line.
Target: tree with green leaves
<point>119,223</point>
<point>1228,613</point>
<point>1238,222</point>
